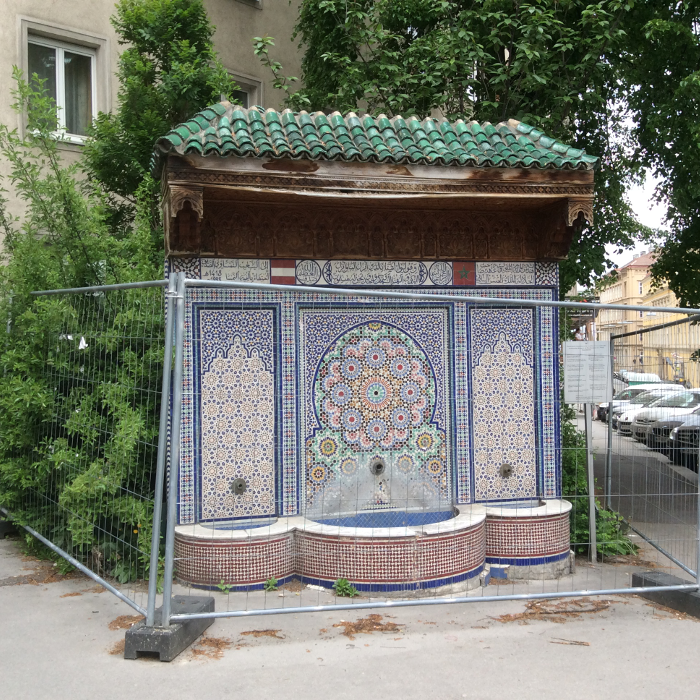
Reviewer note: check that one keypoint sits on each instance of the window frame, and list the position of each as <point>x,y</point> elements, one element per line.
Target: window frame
<point>250,85</point>
<point>31,29</point>
<point>61,47</point>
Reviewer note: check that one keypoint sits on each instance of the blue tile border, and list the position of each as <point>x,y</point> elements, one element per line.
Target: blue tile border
<point>528,561</point>
<point>393,587</point>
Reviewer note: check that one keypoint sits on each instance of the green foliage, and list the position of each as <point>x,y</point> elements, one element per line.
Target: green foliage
<point>224,587</point>
<point>78,426</point>
<point>167,73</point>
<point>546,63</point>
<point>271,584</point>
<point>661,77</point>
<point>611,530</point>
<point>344,589</point>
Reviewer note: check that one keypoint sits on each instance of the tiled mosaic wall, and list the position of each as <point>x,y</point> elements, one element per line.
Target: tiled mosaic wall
<point>297,392</point>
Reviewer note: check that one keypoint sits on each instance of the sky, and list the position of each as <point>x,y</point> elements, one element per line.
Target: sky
<point>648,213</point>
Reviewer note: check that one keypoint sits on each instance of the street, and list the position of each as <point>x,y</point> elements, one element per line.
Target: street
<point>655,496</point>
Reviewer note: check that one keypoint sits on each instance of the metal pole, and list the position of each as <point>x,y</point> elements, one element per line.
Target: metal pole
<point>418,296</point>
<point>697,563</point>
<point>608,456</point>
<point>374,605</point>
<point>162,446</point>
<point>174,451</point>
<point>593,546</point>
<point>78,565</point>
<point>103,288</point>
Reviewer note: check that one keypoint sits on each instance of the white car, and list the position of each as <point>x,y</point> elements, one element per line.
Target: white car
<point>677,404</point>
<point>639,403</point>
<point>622,399</point>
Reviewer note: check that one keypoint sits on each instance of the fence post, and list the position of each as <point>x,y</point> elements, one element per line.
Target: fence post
<point>593,545</point>
<point>162,447</point>
<point>174,451</point>
<point>608,456</point>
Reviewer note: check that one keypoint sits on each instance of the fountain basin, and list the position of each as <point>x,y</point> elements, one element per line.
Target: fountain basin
<point>408,557</point>
<point>531,539</point>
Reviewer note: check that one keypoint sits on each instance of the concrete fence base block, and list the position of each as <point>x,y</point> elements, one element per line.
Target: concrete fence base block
<point>6,528</point>
<point>168,642</point>
<point>684,601</point>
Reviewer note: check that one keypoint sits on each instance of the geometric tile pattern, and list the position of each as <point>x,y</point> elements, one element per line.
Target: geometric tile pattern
<point>238,434</point>
<point>376,393</point>
<point>504,403</point>
<point>370,563</point>
<point>245,562</point>
<point>546,274</point>
<point>236,409</point>
<point>280,344</point>
<point>376,560</point>
<point>527,537</point>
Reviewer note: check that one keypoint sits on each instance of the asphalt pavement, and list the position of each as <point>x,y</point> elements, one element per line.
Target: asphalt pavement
<point>657,497</point>
<point>61,639</point>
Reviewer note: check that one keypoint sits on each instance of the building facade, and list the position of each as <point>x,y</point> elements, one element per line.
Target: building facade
<point>669,351</point>
<point>627,289</point>
<point>74,47</point>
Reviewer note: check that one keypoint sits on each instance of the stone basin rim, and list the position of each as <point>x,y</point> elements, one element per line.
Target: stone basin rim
<point>467,516</point>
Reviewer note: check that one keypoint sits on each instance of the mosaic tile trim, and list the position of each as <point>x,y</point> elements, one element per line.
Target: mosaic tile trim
<point>285,350</point>
<point>190,266</point>
<point>378,560</point>
<point>370,273</point>
<point>547,274</point>
<point>383,387</point>
<point>527,537</point>
<point>504,403</point>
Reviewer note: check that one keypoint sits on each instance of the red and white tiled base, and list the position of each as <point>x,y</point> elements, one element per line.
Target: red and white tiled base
<point>533,542</point>
<point>372,559</point>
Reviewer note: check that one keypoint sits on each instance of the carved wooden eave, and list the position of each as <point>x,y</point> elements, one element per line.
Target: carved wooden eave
<point>282,208</point>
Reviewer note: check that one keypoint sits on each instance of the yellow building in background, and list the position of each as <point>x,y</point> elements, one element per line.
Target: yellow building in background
<point>627,289</point>
<point>668,351</point>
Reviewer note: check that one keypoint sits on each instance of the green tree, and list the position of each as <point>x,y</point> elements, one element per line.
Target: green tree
<point>662,86</point>
<point>167,73</point>
<point>545,63</point>
<point>78,425</point>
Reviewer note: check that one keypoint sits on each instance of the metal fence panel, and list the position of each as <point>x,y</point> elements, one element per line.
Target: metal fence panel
<point>89,487</point>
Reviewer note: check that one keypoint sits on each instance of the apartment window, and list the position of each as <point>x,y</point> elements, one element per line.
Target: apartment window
<point>68,72</point>
<point>641,288</point>
<point>241,97</point>
<point>249,92</point>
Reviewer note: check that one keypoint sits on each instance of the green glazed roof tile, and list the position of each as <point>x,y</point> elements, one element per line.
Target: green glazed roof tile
<point>225,129</point>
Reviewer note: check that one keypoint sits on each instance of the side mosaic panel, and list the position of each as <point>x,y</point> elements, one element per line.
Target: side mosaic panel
<point>503,387</point>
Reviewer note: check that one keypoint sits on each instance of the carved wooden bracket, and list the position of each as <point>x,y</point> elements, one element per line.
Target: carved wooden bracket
<point>179,195</point>
<point>577,207</point>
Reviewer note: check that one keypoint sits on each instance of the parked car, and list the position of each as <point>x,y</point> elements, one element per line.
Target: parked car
<point>660,435</point>
<point>677,404</point>
<point>633,378</point>
<point>686,442</point>
<point>639,403</point>
<point>623,398</point>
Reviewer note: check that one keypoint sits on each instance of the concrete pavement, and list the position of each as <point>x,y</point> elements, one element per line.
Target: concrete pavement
<point>56,642</point>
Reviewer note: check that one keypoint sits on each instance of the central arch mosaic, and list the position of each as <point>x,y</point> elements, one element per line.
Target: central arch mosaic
<point>374,398</point>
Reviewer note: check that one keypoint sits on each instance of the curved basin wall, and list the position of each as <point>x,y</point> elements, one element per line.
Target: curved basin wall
<point>373,559</point>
